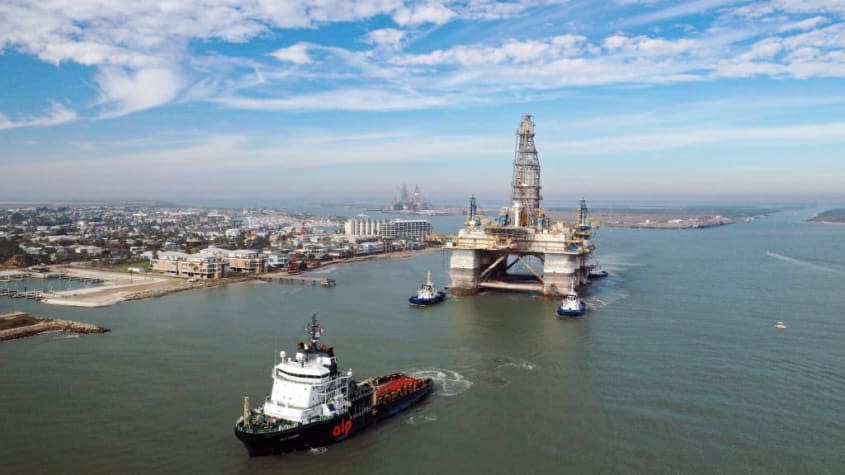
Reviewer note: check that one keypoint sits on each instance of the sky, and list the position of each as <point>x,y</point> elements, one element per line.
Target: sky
<point>339,100</point>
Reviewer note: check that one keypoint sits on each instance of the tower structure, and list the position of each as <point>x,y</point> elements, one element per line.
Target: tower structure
<point>525,187</point>
<point>554,254</point>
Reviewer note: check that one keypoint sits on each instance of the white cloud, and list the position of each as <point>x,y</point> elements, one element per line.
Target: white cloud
<point>297,54</point>
<point>418,13</point>
<point>346,99</point>
<point>695,7</point>
<point>58,114</point>
<point>810,6</point>
<point>674,139</point>
<point>125,91</point>
<point>806,24</point>
<point>144,51</point>
<point>385,38</point>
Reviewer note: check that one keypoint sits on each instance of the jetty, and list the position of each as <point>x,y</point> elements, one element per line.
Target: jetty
<point>21,324</point>
<point>298,279</point>
<point>21,294</point>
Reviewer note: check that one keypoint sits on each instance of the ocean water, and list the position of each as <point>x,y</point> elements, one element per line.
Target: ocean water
<point>676,368</point>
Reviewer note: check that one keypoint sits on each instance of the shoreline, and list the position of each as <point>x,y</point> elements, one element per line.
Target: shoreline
<point>389,256</point>
<point>23,325</point>
<point>120,287</point>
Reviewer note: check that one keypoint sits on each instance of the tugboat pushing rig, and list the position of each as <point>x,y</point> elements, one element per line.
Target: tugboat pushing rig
<point>484,250</point>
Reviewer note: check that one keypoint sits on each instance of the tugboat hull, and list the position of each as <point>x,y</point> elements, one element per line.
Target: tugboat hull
<point>317,434</point>
<point>422,302</point>
<point>565,312</point>
<point>329,431</point>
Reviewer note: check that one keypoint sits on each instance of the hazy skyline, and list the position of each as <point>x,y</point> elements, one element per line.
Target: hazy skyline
<point>633,99</point>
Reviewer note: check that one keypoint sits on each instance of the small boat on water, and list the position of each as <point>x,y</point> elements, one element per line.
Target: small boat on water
<point>314,404</point>
<point>596,272</point>
<point>571,305</point>
<point>427,294</point>
<point>780,326</point>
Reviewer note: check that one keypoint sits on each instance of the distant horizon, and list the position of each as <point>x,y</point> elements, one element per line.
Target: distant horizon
<point>382,205</point>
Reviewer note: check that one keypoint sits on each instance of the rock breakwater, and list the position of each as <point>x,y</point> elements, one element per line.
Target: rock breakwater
<point>21,325</point>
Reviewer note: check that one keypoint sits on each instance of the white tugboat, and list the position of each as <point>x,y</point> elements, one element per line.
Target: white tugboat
<point>571,305</point>
<point>313,403</point>
<point>427,294</point>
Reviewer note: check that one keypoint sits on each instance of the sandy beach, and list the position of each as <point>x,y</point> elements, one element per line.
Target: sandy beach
<point>116,287</point>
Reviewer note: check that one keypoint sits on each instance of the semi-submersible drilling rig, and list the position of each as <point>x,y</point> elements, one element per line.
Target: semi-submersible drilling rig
<point>485,250</point>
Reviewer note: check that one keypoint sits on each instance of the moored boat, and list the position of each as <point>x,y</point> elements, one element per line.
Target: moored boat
<point>313,403</point>
<point>427,294</point>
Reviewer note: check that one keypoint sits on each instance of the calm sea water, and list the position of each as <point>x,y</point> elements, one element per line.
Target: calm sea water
<point>675,369</point>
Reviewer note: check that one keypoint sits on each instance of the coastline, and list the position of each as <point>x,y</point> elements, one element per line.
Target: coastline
<point>120,287</point>
<point>17,325</point>
<point>398,255</point>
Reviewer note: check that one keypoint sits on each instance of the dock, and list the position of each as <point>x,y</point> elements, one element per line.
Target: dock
<point>5,278</point>
<point>21,294</point>
<point>298,279</point>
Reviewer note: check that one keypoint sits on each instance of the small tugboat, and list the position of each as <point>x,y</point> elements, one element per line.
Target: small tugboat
<point>427,294</point>
<point>571,305</point>
<point>596,272</point>
<point>313,403</point>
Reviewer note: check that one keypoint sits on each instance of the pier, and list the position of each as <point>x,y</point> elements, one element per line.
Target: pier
<point>299,279</point>
<point>6,278</point>
<point>21,294</point>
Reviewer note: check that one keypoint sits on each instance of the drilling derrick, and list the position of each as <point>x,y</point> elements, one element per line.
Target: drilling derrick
<point>525,194</point>
<point>555,255</point>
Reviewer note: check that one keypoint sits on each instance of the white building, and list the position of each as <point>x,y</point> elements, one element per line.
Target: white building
<point>363,227</point>
<point>406,228</point>
<point>371,247</point>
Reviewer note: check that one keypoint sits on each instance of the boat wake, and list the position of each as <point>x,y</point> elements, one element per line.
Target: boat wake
<point>805,263</point>
<point>322,271</point>
<point>605,299</point>
<point>67,336</point>
<point>424,419</point>
<point>518,365</point>
<point>446,382</point>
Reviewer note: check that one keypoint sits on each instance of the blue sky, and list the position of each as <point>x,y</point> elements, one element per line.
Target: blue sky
<point>704,100</point>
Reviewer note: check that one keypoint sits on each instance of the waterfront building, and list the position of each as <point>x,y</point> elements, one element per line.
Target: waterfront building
<point>369,247</point>
<point>363,226</point>
<point>406,228</point>
<point>240,260</point>
<point>167,262</point>
<point>278,260</point>
<point>203,265</point>
<point>247,260</point>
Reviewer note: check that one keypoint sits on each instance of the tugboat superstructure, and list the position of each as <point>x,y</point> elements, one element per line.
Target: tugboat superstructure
<point>427,294</point>
<point>571,305</point>
<point>313,403</point>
